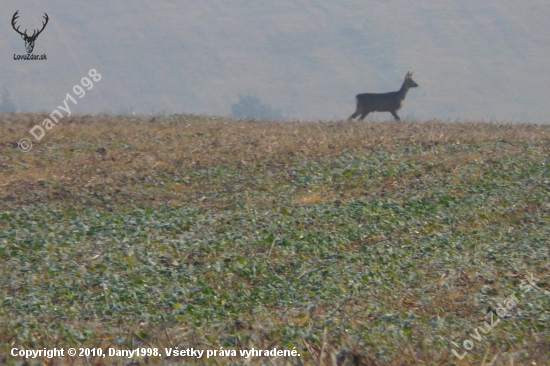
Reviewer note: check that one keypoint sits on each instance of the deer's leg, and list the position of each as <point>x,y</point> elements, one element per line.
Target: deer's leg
<point>354,115</point>
<point>363,115</point>
<point>395,115</point>
<point>358,111</point>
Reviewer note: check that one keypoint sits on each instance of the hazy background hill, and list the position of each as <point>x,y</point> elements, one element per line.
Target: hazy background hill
<point>308,59</point>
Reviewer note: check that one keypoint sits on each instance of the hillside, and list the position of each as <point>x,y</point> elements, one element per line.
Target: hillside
<point>375,243</point>
<point>473,60</point>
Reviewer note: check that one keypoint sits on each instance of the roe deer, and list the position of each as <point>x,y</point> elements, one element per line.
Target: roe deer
<point>385,102</point>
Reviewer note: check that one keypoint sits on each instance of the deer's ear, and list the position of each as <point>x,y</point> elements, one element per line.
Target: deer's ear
<point>23,36</point>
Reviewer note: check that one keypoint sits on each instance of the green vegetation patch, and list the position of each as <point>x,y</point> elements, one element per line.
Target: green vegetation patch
<point>387,255</point>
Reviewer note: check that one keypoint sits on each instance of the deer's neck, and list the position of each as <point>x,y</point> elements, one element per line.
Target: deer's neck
<point>403,91</point>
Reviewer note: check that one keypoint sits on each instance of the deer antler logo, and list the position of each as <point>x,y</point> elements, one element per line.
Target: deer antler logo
<point>29,40</point>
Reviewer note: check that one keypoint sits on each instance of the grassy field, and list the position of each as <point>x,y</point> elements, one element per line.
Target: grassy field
<point>353,243</point>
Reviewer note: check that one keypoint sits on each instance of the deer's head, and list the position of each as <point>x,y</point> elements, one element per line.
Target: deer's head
<point>29,40</point>
<point>409,82</point>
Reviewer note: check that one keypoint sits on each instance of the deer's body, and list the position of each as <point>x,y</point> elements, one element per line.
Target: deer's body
<point>383,102</point>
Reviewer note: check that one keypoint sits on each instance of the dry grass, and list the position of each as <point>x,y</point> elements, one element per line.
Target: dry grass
<point>114,156</point>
